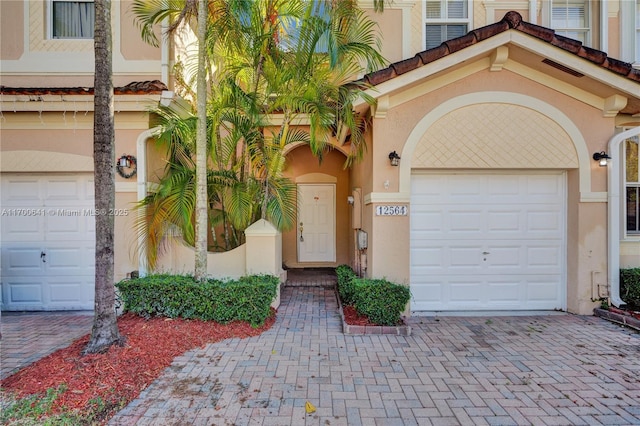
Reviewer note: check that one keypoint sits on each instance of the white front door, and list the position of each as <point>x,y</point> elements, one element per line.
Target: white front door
<point>316,223</point>
<point>48,242</point>
<point>488,241</point>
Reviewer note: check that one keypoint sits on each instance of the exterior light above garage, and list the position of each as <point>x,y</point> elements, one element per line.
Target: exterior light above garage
<point>394,158</point>
<point>602,158</point>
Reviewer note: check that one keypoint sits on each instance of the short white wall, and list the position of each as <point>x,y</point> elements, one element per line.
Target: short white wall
<point>261,254</point>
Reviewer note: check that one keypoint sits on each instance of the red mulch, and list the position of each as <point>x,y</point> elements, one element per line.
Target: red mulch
<point>352,317</point>
<point>121,373</point>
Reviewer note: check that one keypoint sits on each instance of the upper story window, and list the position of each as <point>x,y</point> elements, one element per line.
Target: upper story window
<point>445,19</point>
<point>72,19</point>
<point>570,18</point>
<point>632,186</point>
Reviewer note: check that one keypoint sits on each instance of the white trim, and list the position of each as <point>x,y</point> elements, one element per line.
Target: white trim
<point>584,158</point>
<point>126,187</point>
<point>615,220</point>
<point>316,178</point>
<point>546,17</point>
<point>73,103</point>
<point>628,31</point>
<point>141,162</point>
<point>387,197</point>
<point>604,26</point>
<point>468,21</point>
<point>515,37</point>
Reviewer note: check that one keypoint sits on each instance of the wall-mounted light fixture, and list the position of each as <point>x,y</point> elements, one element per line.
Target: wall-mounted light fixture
<point>394,158</point>
<point>602,158</point>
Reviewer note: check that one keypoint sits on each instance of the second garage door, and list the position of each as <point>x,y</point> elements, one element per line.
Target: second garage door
<point>488,241</point>
<point>48,241</point>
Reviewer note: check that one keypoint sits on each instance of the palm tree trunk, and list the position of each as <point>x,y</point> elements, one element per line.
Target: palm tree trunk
<point>105,327</point>
<point>201,147</point>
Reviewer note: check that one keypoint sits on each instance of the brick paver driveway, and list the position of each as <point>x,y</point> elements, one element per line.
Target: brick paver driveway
<point>547,370</point>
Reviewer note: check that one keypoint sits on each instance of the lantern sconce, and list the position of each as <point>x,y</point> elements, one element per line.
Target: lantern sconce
<point>394,158</point>
<point>127,166</point>
<point>602,158</point>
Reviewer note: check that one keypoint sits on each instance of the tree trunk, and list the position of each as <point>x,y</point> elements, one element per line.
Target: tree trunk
<point>201,147</point>
<point>105,327</point>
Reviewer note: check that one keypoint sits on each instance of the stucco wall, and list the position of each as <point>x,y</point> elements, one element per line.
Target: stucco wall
<point>300,161</point>
<point>586,221</point>
<point>68,63</point>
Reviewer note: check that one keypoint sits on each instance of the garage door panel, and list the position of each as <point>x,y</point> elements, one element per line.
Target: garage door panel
<point>76,293</point>
<point>464,257</point>
<point>22,291</point>
<point>22,227</point>
<point>499,245</point>
<point>21,192</point>
<point>504,221</point>
<point>465,222</point>
<point>48,257</point>
<point>21,261</point>
<point>548,257</point>
<point>503,256</point>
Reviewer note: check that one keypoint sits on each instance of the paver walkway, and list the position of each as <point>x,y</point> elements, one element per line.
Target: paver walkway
<point>29,336</point>
<point>545,370</point>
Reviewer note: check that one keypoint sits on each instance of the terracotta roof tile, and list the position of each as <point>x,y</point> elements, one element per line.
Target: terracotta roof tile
<point>596,56</point>
<point>537,31</point>
<point>618,66</point>
<point>154,87</point>
<point>483,33</point>
<point>431,55</point>
<point>459,43</point>
<point>407,65</point>
<point>566,43</point>
<point>380,76</point>
<point>511,20</point>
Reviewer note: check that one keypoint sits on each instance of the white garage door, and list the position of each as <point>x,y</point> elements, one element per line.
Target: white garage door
<point>488,242</point>
<point>48,242</point>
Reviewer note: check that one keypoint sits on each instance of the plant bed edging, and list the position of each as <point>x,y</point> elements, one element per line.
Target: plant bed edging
<point>618,318</point>
<point>398,330</point>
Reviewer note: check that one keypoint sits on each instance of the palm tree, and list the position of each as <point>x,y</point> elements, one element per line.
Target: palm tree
<point>286,57</point>
<point>105,327</point>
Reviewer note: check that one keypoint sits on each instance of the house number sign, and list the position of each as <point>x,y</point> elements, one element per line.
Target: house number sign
<point>391,210</point>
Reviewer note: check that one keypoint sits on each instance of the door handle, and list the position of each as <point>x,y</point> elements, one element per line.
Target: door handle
<point>43,257</point>
<point>486,253</point>
<point>301,229</point>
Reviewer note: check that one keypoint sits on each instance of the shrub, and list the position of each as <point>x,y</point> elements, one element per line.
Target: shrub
<point>246,299</point>
<point>630,287</point>
<point>380,300</point>
<point>346,290</point>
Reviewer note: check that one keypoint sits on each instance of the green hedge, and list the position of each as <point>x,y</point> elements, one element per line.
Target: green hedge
<point>246,299</point>
<point>630,287</point>
<point>346,290</point>
<point>380,300</point>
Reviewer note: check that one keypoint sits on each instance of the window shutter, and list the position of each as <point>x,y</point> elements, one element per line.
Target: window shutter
<point>457,9</point>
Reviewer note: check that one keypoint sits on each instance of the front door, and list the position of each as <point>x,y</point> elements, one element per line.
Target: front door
<point>316,223</point>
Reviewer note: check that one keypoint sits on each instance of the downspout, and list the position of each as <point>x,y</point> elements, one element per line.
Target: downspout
<point>141,151</point>
<point>614,175</point>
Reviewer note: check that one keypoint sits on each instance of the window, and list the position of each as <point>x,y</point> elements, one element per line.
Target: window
<point>444,20</point>
<point>72,19</point>
<point>570,18</point>
<point>632,186</point>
